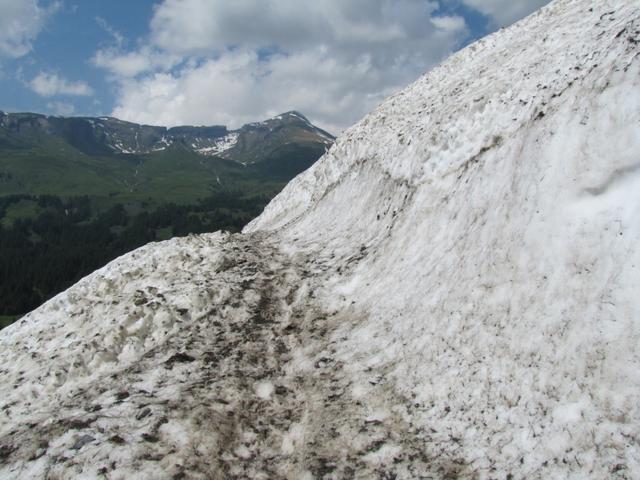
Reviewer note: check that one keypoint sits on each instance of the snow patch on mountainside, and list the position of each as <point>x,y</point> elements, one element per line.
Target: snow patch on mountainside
<point>220,145</point>
<point>451,292</point>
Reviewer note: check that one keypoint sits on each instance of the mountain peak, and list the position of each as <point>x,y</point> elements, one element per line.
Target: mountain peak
<point>294,114</point>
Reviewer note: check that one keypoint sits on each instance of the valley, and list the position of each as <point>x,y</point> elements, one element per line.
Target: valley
<point>76,193</point>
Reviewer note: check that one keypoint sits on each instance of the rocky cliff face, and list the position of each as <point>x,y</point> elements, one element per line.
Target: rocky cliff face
<point>449,293</point>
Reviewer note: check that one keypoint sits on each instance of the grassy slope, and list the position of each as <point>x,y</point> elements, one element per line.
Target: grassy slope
<point>174,175</point>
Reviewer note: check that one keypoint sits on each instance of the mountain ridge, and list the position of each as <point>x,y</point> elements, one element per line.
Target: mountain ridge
<point>109,135</point>
<point>118,160</point>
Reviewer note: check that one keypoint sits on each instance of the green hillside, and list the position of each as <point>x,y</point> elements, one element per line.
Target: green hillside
<point>65,212</point>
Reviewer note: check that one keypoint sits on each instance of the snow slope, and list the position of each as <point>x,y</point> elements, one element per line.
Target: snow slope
<point>451,292</point>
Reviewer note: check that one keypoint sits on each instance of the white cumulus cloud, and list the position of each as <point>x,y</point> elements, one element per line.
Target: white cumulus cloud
<point>232,62</point>
<point>20,23</point>
<point>124,64</point>
<point>51,84</point>
<point>215,61</point>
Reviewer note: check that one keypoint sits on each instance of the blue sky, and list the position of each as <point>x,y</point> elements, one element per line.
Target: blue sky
<point>65,45</point>
<point>220,62</point>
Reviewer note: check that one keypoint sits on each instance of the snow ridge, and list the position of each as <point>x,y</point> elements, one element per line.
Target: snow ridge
<point>449,293</point>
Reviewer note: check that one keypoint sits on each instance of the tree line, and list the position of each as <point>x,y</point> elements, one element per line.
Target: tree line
<point>45,254</point>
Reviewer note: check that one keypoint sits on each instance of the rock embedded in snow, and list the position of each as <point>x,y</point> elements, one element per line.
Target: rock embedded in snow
<point>449,293</point>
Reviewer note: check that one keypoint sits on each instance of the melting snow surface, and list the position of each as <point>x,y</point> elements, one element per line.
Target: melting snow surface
<point>451,292</point>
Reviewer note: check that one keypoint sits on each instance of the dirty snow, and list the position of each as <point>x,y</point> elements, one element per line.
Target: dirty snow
<point>451,292</point>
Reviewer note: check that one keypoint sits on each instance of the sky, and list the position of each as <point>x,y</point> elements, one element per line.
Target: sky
<point>223,62</point>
